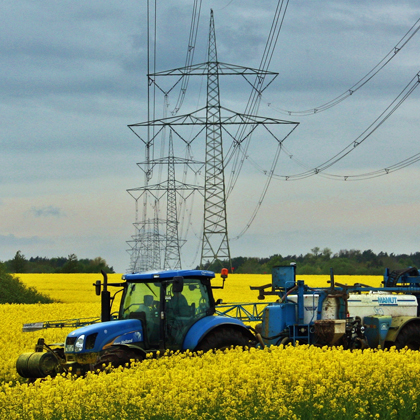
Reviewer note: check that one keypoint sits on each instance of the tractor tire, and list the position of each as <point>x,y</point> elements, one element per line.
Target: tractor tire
<point>224,338</point>
<point>409,337</point>
<point>117,356</point>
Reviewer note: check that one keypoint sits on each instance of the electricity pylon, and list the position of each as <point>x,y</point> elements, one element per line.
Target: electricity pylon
<point>212,120</point>
<point>215,244</point>
<point>170,187</point>
<point>172,248</point>
<point>145,244</point>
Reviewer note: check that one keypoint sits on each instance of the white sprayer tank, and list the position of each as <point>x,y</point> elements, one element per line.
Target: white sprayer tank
<point>364,304</point>
<point>381,303</point>
<point>310,307</point>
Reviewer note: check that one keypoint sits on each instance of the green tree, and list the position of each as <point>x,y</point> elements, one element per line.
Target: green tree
<point>275,260</point>
<point>316,251</point>
<point>72,265</point>
<point>96,265</point>
<point>326,254</point>
<point>18,263</point>
<point>251,266</point>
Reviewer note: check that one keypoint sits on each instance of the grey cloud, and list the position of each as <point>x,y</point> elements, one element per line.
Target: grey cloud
<point>47,211</point>
<point>15,241</point>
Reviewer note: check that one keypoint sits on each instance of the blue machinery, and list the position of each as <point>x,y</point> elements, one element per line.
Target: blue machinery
<point>246,312</point>
<point>329,315</point>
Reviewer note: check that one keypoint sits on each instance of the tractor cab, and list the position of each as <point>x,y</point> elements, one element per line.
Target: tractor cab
<point>167,303</point>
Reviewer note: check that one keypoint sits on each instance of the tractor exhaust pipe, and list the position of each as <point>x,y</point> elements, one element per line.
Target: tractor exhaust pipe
<point>105,300</point>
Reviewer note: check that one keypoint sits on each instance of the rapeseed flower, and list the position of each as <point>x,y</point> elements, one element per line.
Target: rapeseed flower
<point>285,382</point>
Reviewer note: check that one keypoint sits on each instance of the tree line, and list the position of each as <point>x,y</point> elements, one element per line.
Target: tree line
<point>320,261</point>
<point>20,264</point>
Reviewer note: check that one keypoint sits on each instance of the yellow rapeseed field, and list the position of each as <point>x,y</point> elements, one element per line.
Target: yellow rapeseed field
<point>280,383</point>
<point>78,288</point>
<point>275,383</point>
<point>68,288</point>
<point>78,300</point>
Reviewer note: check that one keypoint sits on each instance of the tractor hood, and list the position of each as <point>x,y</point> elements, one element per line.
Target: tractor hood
<point>96,337</point>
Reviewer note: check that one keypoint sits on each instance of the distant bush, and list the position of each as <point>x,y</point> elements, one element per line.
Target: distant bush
<point>12,290</point>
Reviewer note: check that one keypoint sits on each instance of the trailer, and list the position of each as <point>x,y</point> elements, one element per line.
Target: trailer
<point>352,316</point>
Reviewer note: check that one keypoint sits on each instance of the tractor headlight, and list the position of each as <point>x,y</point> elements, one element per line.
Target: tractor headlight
<point>78,345</point>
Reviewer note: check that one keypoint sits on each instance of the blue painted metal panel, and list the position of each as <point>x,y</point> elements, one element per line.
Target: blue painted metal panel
<point>377,327</point>
<point>167,274</point>
<point>132,337</point>
<point>129,329</point>
<point>203,326</point>
<point>276,318</point>
<point>284,276</point>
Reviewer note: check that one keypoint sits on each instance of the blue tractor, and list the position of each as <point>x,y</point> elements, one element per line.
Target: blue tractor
<point>160,310</point>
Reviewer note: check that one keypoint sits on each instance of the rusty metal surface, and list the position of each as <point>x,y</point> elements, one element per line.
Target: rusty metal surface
<point>325,331</point>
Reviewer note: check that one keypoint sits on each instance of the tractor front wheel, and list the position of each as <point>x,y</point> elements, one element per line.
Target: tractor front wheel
<point>223,338</point>
<point>409,337</point>
<point>117,356</point>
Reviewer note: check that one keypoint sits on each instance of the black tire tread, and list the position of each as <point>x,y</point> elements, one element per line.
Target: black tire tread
<point>117,356</point>
<point>409,337</point>
<point>222,338</point>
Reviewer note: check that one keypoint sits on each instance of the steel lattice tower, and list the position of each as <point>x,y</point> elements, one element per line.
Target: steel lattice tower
<point>172,250</point>
<point>215,233</point>
<point>145,244</point>
<point>211,121</point>
<point>147,247</point>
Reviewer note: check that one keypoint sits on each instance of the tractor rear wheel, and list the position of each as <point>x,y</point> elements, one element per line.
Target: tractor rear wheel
<point>409,337</point>
<point>223,338</point>
<point>117,356</point>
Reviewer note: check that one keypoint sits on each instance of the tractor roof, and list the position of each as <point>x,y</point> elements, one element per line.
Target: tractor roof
<point>167,274</point>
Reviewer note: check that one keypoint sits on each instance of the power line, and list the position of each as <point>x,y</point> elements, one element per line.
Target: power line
<point>265,188</point>
<point>365,79</point>
<point>375,174</point>
<point>224,7</point>
<point>255,96</point>
<point>195,20</point>
<point>395,104</point>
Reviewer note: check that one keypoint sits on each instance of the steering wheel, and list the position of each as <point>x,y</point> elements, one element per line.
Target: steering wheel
<point>129,306</point>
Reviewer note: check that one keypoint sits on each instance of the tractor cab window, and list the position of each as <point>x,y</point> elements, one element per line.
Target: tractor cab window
<point>141,301</point>
<point>184,308</point>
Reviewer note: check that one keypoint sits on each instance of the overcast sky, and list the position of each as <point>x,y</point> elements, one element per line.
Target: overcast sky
<point>73,76</point>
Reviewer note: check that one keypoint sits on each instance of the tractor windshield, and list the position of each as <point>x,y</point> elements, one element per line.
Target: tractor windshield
<point>141,301</point>
<point>140,297</point>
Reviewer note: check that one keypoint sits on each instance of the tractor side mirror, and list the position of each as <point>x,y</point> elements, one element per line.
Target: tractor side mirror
<point>97,285</point>
<point>178,285</point>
